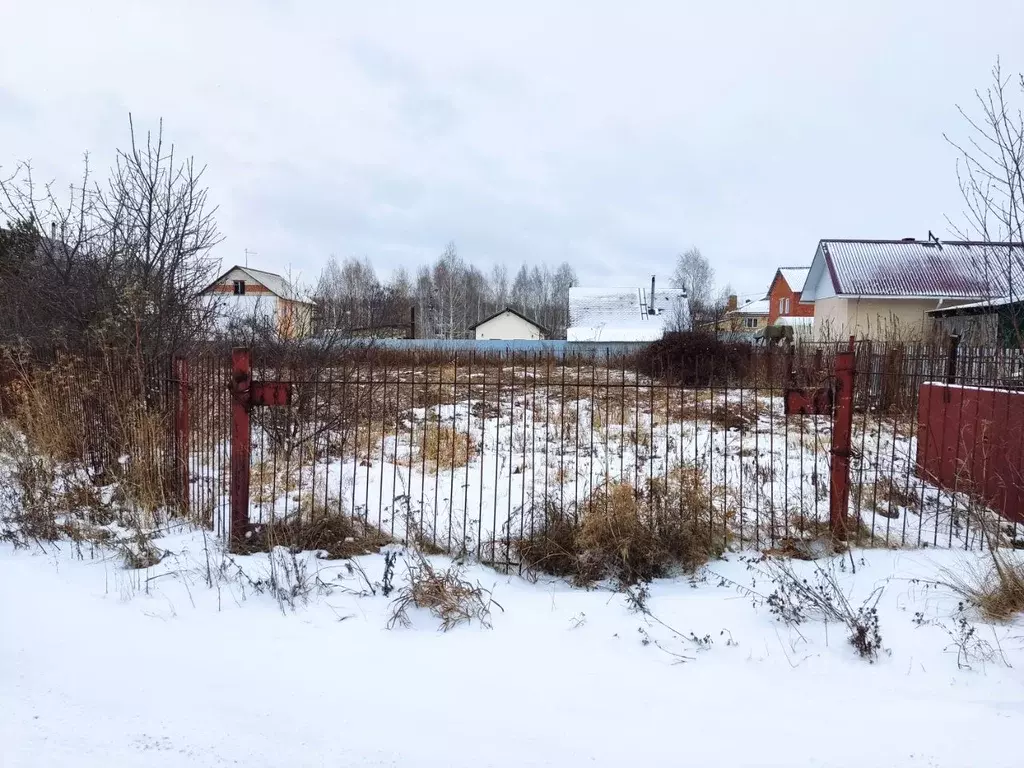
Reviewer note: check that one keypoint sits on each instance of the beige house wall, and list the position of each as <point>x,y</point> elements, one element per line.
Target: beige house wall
<point>830,319</point>
<point>877,319</point>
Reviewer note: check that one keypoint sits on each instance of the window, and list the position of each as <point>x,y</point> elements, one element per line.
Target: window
<point>750,322</point>
<point>239,286</point>
<point>783,306</point>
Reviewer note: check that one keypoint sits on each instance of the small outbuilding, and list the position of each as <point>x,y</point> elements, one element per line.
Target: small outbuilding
<point>991,323</point>
<point>509,325</point>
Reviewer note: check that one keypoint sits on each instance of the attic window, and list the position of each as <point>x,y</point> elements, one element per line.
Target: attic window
<point>239,286</point>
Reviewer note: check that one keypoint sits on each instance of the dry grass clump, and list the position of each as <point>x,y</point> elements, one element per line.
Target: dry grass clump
<point>39,407</point>
<point>629,535</point>
<point>552,546</point>
<point>144,478</point>
<point>44,500</point>
<point>446,594</point>
<point>444,447</point>
<point>103,418</point>
<point>317,526</point>
<point>996,591</point>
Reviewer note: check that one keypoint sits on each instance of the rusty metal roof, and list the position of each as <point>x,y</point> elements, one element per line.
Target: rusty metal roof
<point>923,269</point>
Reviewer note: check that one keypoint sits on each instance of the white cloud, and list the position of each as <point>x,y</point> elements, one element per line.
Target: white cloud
<point>613,135</point>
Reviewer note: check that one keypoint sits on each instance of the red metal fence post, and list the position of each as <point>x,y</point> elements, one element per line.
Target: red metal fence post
<point>842,437</point>
<point>181,419</point>
<point>241,378</point>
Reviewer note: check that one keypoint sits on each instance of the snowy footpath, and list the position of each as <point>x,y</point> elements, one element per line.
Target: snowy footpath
<point>188,664</point>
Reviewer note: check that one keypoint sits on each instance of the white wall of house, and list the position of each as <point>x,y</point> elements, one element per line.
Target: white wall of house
<point>508,327</point>
<point>819,282</point>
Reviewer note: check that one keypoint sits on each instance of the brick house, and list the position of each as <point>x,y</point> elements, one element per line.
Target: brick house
<point>784,294</point>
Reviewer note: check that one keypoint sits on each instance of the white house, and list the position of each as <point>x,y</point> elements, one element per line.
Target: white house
<point>884,289</point>
<point>509,325</point>
<point>244,293</point>
<point>626,314</point>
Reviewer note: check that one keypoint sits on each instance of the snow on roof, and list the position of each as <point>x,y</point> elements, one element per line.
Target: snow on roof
<point>922,269</point>
<point>760,307</point>
<point>275,283</point>
<point>796,322</point>
<point>795,277</point>
<point>617,314</point>
<point>272,281</point>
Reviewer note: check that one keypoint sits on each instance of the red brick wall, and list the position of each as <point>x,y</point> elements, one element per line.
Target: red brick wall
<point>971,439</point>
<point>780,290</point>
<point>251,287</point>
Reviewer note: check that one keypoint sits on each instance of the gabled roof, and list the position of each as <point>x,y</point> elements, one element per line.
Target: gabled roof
<point>617,314</point>
<point>917,269</point>
<point>794,277</point>
<point>759,307</point>
<point>272,281</point>
<point>520,315</point>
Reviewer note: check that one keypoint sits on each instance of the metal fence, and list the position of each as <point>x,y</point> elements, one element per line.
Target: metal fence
<point>475,454</point>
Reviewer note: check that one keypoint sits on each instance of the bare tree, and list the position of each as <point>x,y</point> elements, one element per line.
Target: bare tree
<point>158,227</point>
<point>448,277</point>
<point>694,274</point>
<point>990,171</point>
<point>120,264</point>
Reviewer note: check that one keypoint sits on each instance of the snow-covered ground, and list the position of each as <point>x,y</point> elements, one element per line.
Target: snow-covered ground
<point>186,664</point>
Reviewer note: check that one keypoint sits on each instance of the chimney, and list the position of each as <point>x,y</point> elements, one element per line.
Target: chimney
<point>732,303</point>
<point>53,230</point>
<point>650,304</point>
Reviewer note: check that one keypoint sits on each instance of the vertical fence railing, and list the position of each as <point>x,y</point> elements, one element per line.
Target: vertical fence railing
<point>473,453</point>
<point>181,433</point>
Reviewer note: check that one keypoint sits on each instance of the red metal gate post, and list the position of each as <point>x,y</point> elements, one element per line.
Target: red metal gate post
<point>181,419</point>
<point>241,379</point>
<point>842,438</point>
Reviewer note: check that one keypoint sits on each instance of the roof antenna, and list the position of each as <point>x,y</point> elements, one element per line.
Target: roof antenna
<point>933,239</point>
<point>249,253</point>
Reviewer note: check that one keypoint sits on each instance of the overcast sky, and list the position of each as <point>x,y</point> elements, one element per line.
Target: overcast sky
<point>612,135</point>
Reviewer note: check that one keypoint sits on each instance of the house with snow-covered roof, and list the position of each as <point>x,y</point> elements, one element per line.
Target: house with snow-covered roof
<point>884,289</point>
<point>749,317</point>
<point>626,314</point>
<point>244,294</point>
